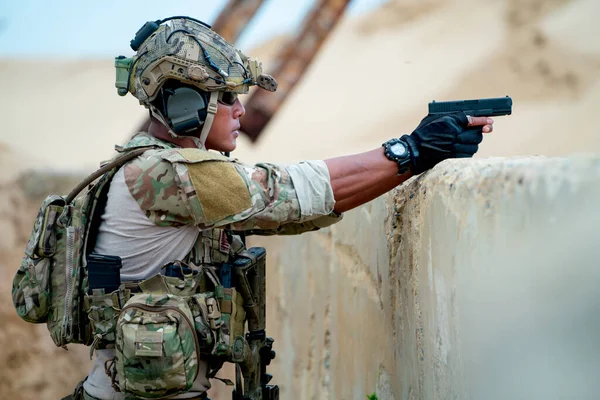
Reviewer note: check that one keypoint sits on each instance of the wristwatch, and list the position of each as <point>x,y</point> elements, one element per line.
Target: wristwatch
<point>397,151</point>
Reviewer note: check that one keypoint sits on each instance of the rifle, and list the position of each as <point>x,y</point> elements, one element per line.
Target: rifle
<point>249,275</point>
<point>476,108</point>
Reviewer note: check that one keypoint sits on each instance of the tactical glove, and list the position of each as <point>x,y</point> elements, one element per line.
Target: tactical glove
<point>439,137</point>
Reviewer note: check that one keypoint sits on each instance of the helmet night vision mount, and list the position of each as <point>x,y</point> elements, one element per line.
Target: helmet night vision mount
<point>202,64</point>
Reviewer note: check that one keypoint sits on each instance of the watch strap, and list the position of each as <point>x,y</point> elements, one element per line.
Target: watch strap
<point>413,147</point>
<point>403,161</point>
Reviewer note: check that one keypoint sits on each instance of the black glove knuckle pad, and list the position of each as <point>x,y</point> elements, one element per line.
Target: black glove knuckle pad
<point>439,137</point>
<point>452,122</point>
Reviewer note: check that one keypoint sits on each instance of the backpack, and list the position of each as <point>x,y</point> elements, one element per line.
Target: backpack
<point>51,283</point>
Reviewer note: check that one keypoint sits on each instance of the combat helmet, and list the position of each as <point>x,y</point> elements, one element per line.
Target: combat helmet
<point>188,52</point>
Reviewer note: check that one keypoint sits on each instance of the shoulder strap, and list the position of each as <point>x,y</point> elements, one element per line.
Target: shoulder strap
<point>105,168</point>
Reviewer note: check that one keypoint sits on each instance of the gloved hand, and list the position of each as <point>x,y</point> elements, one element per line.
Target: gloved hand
<point>439,137</point>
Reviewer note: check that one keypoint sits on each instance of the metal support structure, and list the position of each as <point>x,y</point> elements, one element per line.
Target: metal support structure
<point>292,62</point>
<point>234,17</point>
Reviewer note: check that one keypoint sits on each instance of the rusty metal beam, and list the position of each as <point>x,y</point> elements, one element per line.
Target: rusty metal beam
<point>292,62</point>
<point>234,17</point>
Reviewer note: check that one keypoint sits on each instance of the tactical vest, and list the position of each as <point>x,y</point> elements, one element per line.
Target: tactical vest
<point>52,286</point>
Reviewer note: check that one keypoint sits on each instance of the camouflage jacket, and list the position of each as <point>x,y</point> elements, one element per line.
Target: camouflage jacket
<point>186,186</point>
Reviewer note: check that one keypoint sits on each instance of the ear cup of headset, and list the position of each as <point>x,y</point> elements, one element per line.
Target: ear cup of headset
<point>185,109</point>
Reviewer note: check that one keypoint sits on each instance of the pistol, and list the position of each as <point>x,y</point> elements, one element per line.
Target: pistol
<point>476,108</point>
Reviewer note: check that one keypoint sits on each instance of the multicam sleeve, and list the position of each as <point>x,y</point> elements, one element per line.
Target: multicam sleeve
<point>189,186</point>
<point>286,199</point>
<point>152,183</point>
<point>309,188</point>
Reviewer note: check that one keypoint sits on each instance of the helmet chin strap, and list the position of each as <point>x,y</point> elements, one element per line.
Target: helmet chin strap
<point>211,110</point>
<point>210,116</point>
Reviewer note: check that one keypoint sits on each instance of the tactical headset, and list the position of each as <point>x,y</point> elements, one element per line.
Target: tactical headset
<point>184,107</point>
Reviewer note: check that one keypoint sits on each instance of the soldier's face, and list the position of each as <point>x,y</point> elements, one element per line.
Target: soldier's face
<point>225,128</point>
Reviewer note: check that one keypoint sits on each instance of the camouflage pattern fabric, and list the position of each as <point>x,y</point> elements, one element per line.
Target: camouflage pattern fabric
<point>42,241</point>
<point>51,283</point>
<point>215,246</point>
<point>67,322</point>
<point>157,349</point>
<point>233,316</point>
<point>102,311</point>
<point>31,283</point>
<point>30,290</point>
<point>176,187</point>
<point>218,330</point>
<point>206,336</point>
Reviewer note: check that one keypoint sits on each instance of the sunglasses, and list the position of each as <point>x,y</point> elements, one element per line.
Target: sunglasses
<point>227,98</point>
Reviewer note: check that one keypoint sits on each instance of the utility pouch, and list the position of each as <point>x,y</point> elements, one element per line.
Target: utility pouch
<point>157,351</point>
<point>180,279</point>
<point>219,317</point>
<point>104,299</point>
<point>30,291</point>
<point>103,310</point>
<point>219,320</point>
<point>31,283</point>
<point>206,335</point>
<point>42,241</point>
<point>233,316</point>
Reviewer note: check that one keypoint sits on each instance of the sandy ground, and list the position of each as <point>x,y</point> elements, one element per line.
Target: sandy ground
<point>372,81</point>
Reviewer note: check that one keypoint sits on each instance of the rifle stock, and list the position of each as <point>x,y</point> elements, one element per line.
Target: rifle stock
<point>250,272</point>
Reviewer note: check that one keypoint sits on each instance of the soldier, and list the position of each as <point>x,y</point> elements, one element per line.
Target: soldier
<point>181,201</point>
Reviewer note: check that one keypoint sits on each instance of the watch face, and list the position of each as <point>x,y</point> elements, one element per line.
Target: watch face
<point>398,149</point>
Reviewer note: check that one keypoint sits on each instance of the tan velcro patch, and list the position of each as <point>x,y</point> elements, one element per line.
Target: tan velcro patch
<point>220,189</point>
<point>196,155</point>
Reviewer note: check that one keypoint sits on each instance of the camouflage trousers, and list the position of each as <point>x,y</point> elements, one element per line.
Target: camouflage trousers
<point>80,394</point>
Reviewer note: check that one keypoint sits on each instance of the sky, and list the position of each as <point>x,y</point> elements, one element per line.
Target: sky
<point>80,28</point>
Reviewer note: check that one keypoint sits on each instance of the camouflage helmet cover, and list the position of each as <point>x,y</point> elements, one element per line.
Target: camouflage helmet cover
<point>189,51</point>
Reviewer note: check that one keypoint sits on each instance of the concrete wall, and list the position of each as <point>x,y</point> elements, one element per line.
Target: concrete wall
<point>478,280</point>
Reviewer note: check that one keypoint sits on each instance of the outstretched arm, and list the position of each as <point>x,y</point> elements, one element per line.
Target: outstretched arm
<point>359,178</point>
<point>182,186</point>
